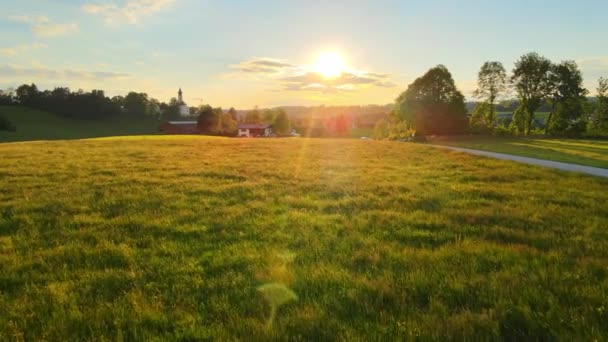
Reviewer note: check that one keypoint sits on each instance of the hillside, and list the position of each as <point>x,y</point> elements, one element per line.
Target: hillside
<point>171,237</point>
<point>33,124</point>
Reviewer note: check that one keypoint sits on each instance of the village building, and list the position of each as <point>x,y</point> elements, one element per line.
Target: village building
<point>184,110</point>
<point>254,130</point>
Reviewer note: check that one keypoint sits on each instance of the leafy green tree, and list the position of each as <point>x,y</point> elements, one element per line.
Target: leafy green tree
<point>170,110</point>
<point>253,116</point>
<point>567,98</point>
<point>228,124</point>
<point>518,122</point>
<point>269,115</point>
<point>136,104</point>
<point>532,84</point>
<point>233,113</point>
<point>381,129</point>
<point>599,119</point>
<point>281,122</point>
<point>6,97</point>
<point>491,82</point>
<point>209,119</point>
<point>482,119</point>
<point>27,94</point>
<point>433,104</point>
<point>399,130</point>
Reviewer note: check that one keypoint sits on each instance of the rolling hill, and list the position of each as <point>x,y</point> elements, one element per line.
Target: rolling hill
<point>33,124</point>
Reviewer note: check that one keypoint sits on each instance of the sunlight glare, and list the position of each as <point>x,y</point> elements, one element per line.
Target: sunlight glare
<point>329,64</point>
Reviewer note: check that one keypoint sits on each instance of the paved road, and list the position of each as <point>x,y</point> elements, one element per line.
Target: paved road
<point>596,171</point>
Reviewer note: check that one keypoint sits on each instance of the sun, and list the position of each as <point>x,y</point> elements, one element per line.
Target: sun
<point>329,64</point>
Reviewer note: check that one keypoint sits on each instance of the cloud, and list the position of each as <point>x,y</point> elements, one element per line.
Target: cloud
<point>42,26</point>
<point>20,49</point>
<point>347,81</point>
<point>294,77</point>
<point>131,11</point>
<point>12,72</point>
<point>264,66</point>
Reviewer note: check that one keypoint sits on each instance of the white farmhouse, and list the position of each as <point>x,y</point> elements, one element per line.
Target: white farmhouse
<point>254,130</point>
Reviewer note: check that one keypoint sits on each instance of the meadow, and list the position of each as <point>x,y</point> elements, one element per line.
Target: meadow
<point>169,238</point>
<point>575,151</point>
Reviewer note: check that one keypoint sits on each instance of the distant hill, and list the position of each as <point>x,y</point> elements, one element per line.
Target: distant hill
<point>316,112</point>
<point>33,124</point>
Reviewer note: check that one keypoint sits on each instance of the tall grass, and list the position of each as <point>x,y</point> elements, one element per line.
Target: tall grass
<point>169,238</point>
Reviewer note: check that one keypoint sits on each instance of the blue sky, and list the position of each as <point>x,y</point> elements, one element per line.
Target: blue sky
<point>245,53</point>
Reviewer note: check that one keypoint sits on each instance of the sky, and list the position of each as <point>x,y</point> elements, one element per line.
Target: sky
<point>237,53</point>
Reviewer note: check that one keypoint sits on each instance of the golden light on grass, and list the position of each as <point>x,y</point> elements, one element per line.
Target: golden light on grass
<point>276,295</point>
<point>329,64</point>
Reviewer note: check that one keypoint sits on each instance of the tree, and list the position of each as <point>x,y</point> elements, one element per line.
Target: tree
<point>491,81</point>
<point>119,101</point>
<point>433,104</point>
<point>483,118</point>
<point>268,115</point>
<point>567,98</point>
<point>27,94</point>
<point>599,119</point>
<point>6,97</point>
<point>209,119</point>
<point>381,129</point>
<point>228,124</point>
<point>532,84</point>
<point>281,122</point>
<point>136,104</point>
<point>253,116</point>
<point>170,111</point>
<point>233,113</point>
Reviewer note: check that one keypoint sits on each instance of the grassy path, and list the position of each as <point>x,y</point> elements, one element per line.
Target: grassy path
<point>590,170</point>
<point>582,152</point>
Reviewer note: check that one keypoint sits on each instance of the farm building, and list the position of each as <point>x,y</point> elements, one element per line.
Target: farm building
<point>179,127</point>
<point>254,130</point>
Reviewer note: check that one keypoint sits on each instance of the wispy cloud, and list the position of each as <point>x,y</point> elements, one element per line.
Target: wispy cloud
<point>264,66</point>
<point>131,11</point>
<point>42,26</point>
<point>21,49</point>
<point>12,72</point>
<point>347,81</point>
<point>293,77</point>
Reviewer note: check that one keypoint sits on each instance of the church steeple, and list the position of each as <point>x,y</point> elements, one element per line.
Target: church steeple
<point>180,97</point>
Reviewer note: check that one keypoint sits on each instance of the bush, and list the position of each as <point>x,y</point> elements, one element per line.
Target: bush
<point>6,125</point>
<point>381,129</point>
<point>399,130</point>
<point>502,130</point>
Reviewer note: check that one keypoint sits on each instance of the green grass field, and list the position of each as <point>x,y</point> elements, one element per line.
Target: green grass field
<point>167,238</point>
<point>583,152</point>
<point>34,124</point>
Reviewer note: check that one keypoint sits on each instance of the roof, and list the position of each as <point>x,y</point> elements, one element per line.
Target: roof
<point>252,126</point>
<point>182,122</point>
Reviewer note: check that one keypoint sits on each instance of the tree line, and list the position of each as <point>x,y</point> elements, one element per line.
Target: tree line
<point>432,104</point>
<point>93,105</point>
